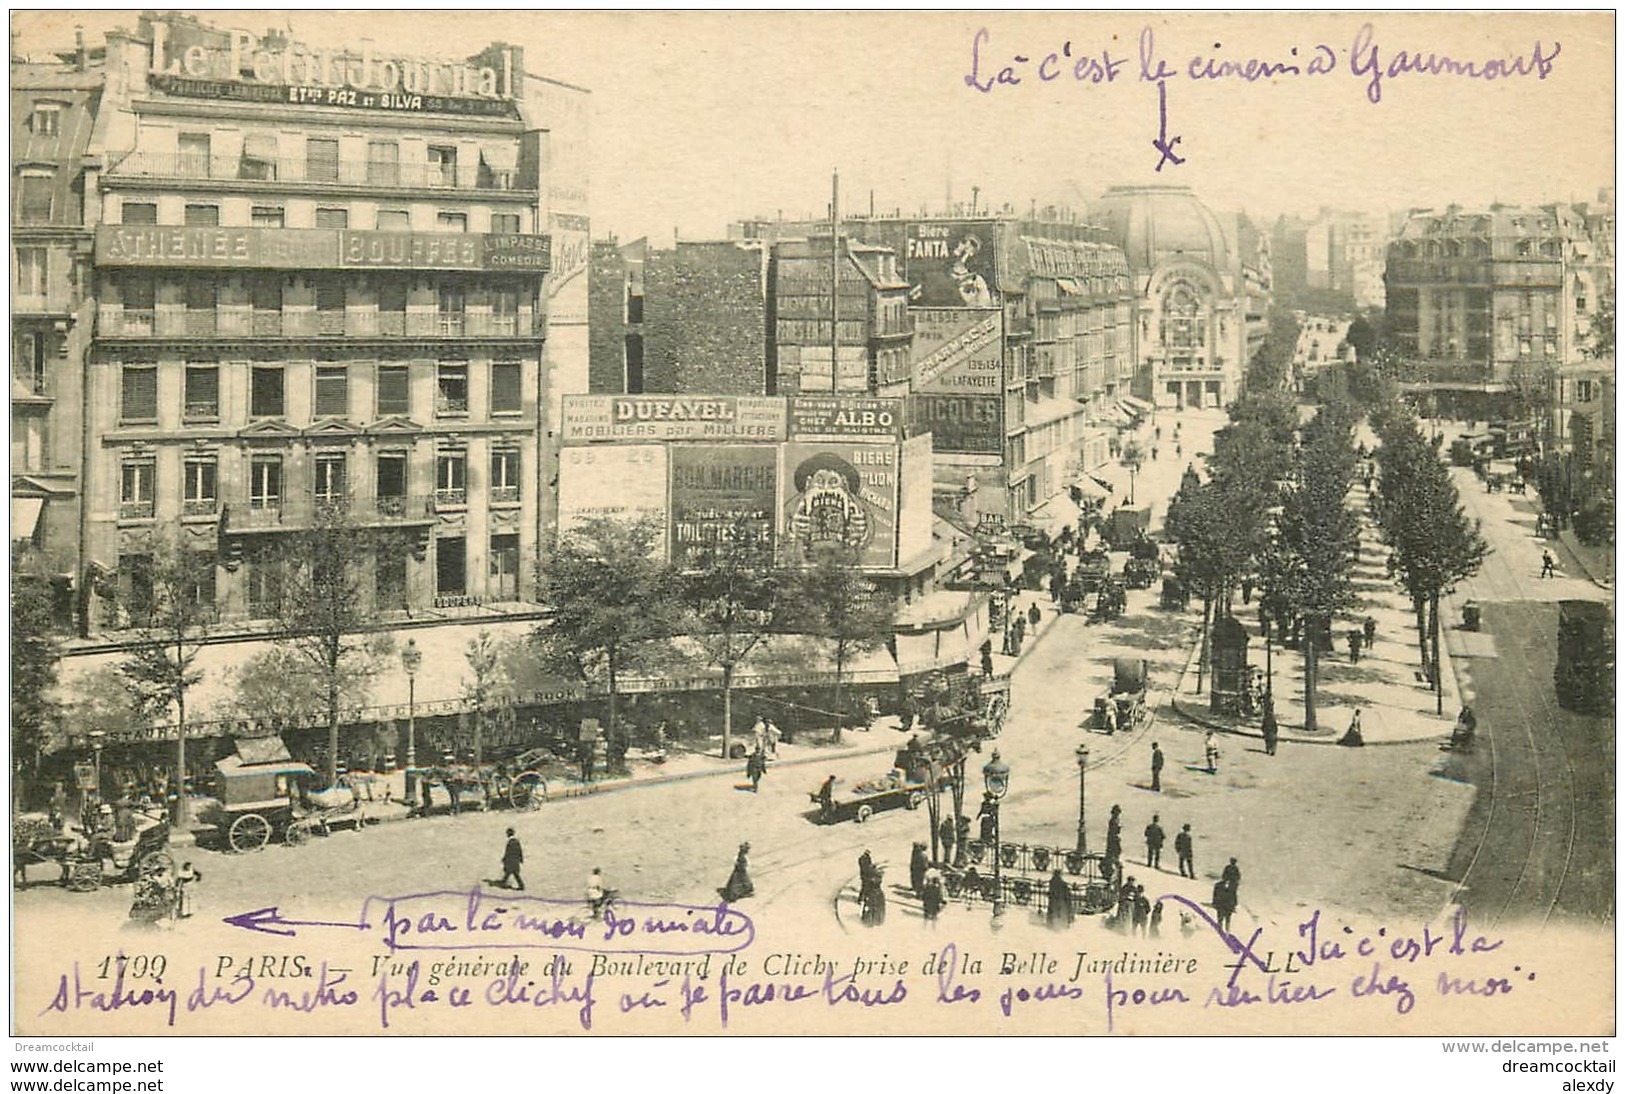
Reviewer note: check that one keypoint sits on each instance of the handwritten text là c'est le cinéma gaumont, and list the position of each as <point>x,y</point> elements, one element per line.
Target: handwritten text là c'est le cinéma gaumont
<point>696,965</point>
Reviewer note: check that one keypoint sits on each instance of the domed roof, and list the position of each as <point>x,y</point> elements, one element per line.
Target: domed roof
<point>1155,223</point>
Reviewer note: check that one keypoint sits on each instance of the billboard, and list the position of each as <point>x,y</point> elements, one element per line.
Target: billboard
<point>317,248</point>
<point>589,418</point>
<point>950,263</point>
<point>839,417</point>
<point>914,515</point>
<point>717,492</point>
<point>958,379</point>
<point>959,424</point>
<point>841,495</point>
<point>617,482</point>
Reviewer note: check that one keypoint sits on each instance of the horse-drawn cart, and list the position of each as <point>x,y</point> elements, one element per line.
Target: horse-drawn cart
<point>1123,707</point>
<point>89,859</point>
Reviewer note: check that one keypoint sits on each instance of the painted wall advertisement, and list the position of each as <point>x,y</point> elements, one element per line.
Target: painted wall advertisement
<point>958,379</point>
<point>625,482</point>
<point>590,418</point>
<point>719,492</point>
<point>950,264</point>
<point>839,495</point>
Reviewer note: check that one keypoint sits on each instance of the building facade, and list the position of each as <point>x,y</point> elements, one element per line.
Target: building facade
<point>53,114</point>
<point>320,283</point>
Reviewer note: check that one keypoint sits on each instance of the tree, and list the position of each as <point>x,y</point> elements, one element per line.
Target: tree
<point>277,687</point>
<point>832,599</point>
<point>168,637</point>
<point>1600,338</point>
<point>735,599</point>
<point>1131,457</point>
<point>34,656</point>
<point>324,616</point>
<point>488,686</point>
<point>609,593</point>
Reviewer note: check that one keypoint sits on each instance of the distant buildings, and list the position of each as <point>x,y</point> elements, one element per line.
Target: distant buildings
<point>1339,253</point>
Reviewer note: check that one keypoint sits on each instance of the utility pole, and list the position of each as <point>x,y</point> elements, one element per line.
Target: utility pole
<point>835,282</point>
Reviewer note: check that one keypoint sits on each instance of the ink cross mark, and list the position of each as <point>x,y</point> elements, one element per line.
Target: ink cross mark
<point>1164,143</point>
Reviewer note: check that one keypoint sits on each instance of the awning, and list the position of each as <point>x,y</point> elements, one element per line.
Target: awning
<point>1055,514</point>
<point>1136,404</point>
<point>1067,285</point>
<point>25,517</point>
<point>1047,409</point>
<point>779,661</point>
<point>1092,487</point>
<point>1116,415</point>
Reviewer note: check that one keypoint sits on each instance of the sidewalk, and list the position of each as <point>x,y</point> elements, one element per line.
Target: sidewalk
<point>1396,706</point>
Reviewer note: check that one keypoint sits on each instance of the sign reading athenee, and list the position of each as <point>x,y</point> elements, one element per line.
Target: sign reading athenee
<point>844,417</point>
<point>842,497</point>
<point>720,493</point>
<point>590,418</point>
<point>316,248</point>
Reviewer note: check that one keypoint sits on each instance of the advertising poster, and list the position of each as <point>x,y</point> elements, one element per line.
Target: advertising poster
<point>624,482</point>
<point>914,514</point>
<point>952,263</point>
<point>845,417</point>
<point>590,419</point>
<point>719,492</point>
<point>839,495</point>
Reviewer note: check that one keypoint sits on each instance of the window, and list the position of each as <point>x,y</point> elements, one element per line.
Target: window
<point>451,388</point>
<point>504,474</point>
<point>450,566</point>
<point>330,477</point>
<point>202,397</point>
<point>259,157</point>
<point>451,222</point>
<point>198,589</point>
<point>504,567</point>
<point>392,295</point>
<point>136,478</point>
<point>389,579</point>
<point>394,220</point>
<point>505,223</point>
<point>202,293</point>
<point>264,586</point>
<point>32,265</point>
<point>28,362</point>
<point>266,292</point>
<point>332,391</point>
<point>47,120</point>
<point>138,291</point>
<point>139,384</point>
<point>442,165</point>
<point>332,218</point>
<point>202,216</point>
<point>1582,391</point>
<point>451,477</point>
<point>199,488</point>
<point>394,391</point>
<point>504,311</point>
<point>140,212</point>
<point>34,196</point>
<point>265,395</point>
<point>265,483</point>
<point>193,161</point>
<point>266,216</point>
<point>383,163</point>
<point>505,393</point>
<point>321,159</point>
<point>391,482</point>
<point>453,310</point>
<point>135,585</point>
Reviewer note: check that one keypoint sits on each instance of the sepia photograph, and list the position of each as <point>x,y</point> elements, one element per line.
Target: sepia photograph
<point>880,524</point>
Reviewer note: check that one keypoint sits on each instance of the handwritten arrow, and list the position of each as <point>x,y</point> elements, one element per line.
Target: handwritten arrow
<point>269,920</point>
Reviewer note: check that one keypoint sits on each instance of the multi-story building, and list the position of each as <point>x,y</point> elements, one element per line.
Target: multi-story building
<point>1338,254</point>
<point>1483,302</point>
<point>320,282</point>
<point>869,329</point>
<point>53,111</point>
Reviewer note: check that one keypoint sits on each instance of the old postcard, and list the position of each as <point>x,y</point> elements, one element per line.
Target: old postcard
<point>822,523</point>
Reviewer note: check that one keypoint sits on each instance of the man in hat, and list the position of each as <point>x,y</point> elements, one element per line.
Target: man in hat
<point>1184,848</point>
<point>513,857</point>
<point>1156,767</point>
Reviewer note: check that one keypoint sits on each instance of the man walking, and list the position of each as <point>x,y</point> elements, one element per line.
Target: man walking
<point>1232,877</point>
<point>1156,767</point>
<point>1186,852</point>
<point>1548,565</point>
<point>1272,731</point>
<point>1210,745</point>
<point>513,857</point>
<point>1153,843</point>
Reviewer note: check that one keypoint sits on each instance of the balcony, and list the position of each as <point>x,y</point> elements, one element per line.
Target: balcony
<point>281,173</point>
<point>235,321</point>
<point>135,510</point>
<point>504,495</point>
<point>290,514</point>
<point>450,499</point>
<point>200,507</point>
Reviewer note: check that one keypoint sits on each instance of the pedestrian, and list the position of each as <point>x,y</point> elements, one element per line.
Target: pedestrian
<point>1156,767</point>
<point>961,836</point>
<point>1057,581</point>
<point>596,892</point>
<point>988,815</point>
<point>1114,833</point>
<point>756,767</point>
<point>945,836</point>
<point>1271,730</point>
<point>1154,836</point>
<point>1059,914</point>
<point>826,800</point>
<point>987,657</point>
<point>1369,627</point>
<point>871,893</point>
<point>1156,920</point>
<point>773,736</point>
<point>423,789</point>
<point>1153,453</point>
<point>932,898</point>
<point>184,880</point>
<point>1224,903</point>
<point>739,885</point>
<point>1355,638</point>
<point>1548,565</point>
<point>1111,716</point>
<point>1210,745</point>
<point>513,857</point>
<point>1353,738</point>
<point>1247,590</point>
<point>1034,615</point>
<point>1232,874</point>
<point>1142,910</point>
<point>1186,851</point>
<point>917,866</point>
<point>758,733</point>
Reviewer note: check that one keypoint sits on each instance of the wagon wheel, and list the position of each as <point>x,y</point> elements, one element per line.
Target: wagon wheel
<point>249,832</point>
<point>997,707</point>
<point>154,865</point>
<point>85,876</point>
<point>298,833</point>
<point>529,790</point>
<point>501,789</point>
<point>864,813</point>
<point>916,798</point>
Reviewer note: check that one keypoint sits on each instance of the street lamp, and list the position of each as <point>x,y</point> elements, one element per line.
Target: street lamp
<point>996,780</point>
<point>1083,769</point>
<point>411,658</point>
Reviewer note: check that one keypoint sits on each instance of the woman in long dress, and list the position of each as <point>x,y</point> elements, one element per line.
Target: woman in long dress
<point>1060,902</point>
<point>739,885</point>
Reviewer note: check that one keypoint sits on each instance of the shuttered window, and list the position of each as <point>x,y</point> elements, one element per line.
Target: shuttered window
<point>505,394</point>
<point>202,391</point>
<point>139,381</point>
<point>321,159</point>
<point>332,391</point>
<point>394,391</point>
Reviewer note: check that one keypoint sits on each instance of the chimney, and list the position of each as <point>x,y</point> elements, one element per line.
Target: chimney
<point>81,55</point>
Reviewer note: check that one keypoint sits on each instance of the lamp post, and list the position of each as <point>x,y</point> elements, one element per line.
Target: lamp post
<point>411,658</point>
<point>996,780</point>
<point>1083,770</point>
